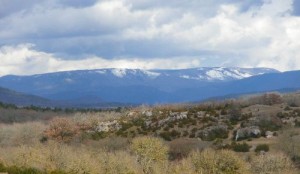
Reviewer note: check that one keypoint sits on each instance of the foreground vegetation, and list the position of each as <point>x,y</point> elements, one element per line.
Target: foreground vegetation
<point>257,134</point>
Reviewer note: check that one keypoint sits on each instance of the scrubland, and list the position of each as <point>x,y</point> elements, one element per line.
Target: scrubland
<point>255,134</point>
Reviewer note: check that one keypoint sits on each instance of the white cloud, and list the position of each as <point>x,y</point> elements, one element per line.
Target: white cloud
<point>265,36</point>
<point>174,34</point>
<point>24,60</point>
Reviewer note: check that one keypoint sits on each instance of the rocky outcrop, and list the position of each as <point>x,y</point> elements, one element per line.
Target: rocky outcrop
<point>247,132</point>
<point>147,113</point>
<point>108,126</point>
<point>173,116</point>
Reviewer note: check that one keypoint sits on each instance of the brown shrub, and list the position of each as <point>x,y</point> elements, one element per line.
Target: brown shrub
<point>184,166</point>
<point>180,148</point>
<point>62,129</point>
<point>149,150</point>
<point>218,162</point>
<point>54,156</point>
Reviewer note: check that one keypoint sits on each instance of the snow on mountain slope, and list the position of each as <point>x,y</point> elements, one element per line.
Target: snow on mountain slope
<point>119,72</point>
<point>208,74</point>
<point>129,72</point>
<point>218,73</point>
<point>123,84</point>
<point>149,87</point>
<point>202,74</point>
<point>225,73</point>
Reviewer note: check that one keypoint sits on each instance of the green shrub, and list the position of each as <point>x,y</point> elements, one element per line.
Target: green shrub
<point>237,147</point>
<point>171,125</point>
<point>235,113</point>
<point>194,130</point>
<point>175,134</point>
<point>213,134</point>
<point>125,126</point>
<point>287,108</point>
<point>192,135</point>
<point>262,147</point>
<point>167,128</point>
<point>293,104</point>
<point>185,134</point>
<point>297,123</point>
<point>180,125</point>
<point>98,135</point>
<point>58,172</point>
<point>272,123</point>
<point>124,133</point>
<point>19,170</point>
<point>137,122</point>
<point>297,111</point>
<point>166,136</point>
<point>223,112</point>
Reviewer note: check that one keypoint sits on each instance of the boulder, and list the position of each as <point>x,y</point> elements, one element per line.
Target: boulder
<point>247,132</point>
<point>269,134</point>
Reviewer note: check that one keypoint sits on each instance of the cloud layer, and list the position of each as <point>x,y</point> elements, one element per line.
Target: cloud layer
<point>24,60</point>
<point>74,34</point>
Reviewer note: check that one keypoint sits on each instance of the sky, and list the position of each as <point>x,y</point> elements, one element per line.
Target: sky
<point>40,36</point>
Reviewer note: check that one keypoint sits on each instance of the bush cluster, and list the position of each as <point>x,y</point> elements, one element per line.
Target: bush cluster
<point>262,147</point>
<point>240,147</point>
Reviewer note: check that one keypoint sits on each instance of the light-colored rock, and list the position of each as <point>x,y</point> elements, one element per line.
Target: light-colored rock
<point>147,113</point>
<point>131,113</point>
<point>269,134</point>
<point>247,132</point>
<point>108,126</point>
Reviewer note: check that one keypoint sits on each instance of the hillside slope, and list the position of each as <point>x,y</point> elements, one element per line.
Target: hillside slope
<point>13,97</point>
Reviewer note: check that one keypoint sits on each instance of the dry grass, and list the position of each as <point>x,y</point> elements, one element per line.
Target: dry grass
<point>150,151</point>
<point>95,117</point>
<point>21,134</point>
<point>289,141</point>
<point>218,162</point>
<point>54,156</point>
<point>150,156</point>
<point>273,164</point>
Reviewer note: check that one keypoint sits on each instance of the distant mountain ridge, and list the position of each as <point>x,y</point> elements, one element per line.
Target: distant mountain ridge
<point>285,81</point>
<point>8,96</point>
<point>203,74</point>
<point>131,85</point>
<point>13,97</point>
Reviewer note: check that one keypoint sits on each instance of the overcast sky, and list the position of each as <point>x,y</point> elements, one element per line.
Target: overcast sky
<point>38,36</point>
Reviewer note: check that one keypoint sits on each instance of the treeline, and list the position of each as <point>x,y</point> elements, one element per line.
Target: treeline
<point>59,109</point>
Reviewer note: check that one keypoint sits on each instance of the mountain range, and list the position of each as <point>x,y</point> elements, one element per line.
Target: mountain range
<point>136,86</point>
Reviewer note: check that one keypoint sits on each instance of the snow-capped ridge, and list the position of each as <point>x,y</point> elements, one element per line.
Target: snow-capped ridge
<point>119,72</point>
<point>200,74</point>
